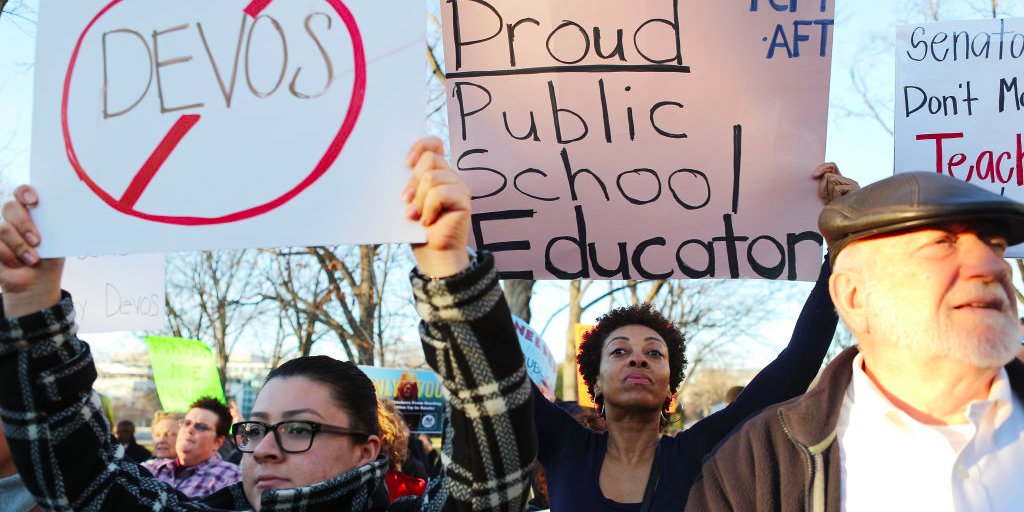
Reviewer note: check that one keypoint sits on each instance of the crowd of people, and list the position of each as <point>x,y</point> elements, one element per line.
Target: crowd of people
<point>924,413</point>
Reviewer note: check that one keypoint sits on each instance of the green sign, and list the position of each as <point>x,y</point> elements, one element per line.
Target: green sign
<point>184,371</point>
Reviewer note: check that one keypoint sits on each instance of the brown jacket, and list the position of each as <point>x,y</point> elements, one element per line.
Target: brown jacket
<point>786,457</point>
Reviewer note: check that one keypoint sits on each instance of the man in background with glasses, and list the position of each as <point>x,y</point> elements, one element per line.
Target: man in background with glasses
<point>198,470</point>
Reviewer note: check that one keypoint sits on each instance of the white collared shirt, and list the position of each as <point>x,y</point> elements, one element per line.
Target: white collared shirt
<point>890,461</point>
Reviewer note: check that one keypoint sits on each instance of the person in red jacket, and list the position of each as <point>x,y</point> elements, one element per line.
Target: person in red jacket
<point>394,435</point>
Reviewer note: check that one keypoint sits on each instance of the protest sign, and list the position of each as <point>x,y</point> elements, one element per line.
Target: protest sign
<point>417,393</point>
<point>960,103</point>
<point>116,293</point>
<point>191,125</point>
<point>649,139</point>
<point>540,364</point>
<point>183,371</point>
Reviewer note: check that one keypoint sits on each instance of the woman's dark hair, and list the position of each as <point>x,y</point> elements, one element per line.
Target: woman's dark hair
<point>351,389</point>
<point>215,406</point>
<point>644,314</point>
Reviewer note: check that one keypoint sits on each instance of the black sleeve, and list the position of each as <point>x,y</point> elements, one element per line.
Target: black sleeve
<point>55,425</point>
<point>788,376</point>
<point>490,440</point>
<point>557,430</point>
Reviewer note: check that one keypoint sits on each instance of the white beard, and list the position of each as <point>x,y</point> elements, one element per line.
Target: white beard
<point>997,344</point>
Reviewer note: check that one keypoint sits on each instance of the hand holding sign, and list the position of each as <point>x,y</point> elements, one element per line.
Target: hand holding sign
<point>831,184</point>
<point>438,199</point>
<point>28,283</point>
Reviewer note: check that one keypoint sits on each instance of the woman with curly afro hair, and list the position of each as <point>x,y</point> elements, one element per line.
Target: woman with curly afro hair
<point>632,363</point>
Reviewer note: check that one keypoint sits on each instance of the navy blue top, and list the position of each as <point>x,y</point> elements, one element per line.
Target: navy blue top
<point>572,454</point>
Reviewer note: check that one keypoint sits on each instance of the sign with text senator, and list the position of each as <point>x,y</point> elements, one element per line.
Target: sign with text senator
<point>960,103</point>
<point>237,123</point>
<point>641,140</point>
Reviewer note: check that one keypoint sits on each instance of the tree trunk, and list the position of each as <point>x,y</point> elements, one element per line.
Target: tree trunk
<point>569,391</point>
<point>517,294</point>
<point>222,354</point>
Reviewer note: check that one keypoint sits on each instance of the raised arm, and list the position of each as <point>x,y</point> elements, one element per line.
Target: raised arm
<point>54,423</point>
<point>470,341</point>
<point>790,374</point>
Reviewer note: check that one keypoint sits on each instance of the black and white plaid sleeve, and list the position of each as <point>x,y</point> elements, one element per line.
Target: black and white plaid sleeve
<point>59,437</point>
<point>490,440</point>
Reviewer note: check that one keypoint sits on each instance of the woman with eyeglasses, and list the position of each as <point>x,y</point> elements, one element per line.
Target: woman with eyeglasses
<point>311,441</point>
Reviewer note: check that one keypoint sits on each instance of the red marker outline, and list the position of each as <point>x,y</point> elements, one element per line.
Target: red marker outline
<point>157,159</point>
<point>256,7</point>
<point>334,149</point>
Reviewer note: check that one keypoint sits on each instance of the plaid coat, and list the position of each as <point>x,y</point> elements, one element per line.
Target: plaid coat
<point>62,446</point>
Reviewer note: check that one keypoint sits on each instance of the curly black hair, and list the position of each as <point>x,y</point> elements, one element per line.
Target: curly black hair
<point>589,357</point>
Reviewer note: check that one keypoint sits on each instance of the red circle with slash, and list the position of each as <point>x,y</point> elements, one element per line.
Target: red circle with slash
<point>126,203</point>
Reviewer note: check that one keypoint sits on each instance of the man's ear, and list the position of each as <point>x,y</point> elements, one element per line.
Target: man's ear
<point>849,297</point>
<point>220,441</point>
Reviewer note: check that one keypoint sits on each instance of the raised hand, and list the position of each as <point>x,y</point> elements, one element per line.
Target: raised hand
<point>831,184</point>
<point>437,198</point>
<point>29,283</point>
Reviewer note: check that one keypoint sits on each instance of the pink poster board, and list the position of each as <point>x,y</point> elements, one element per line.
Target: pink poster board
<point>641,140</point>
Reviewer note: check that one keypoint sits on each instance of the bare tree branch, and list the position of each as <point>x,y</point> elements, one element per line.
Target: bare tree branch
<point>211,297</point>
<point>435,67</point>
<point>20,12</point>
<point>863,91</point>
<point>518,293</point>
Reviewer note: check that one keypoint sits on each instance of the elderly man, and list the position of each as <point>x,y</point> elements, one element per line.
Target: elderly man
<point>925,413</point>
<point>198,470</point>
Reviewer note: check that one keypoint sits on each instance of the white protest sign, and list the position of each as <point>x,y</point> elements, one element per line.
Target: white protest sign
<point>647,139</point>
<point>540,364</point>
<point>117,293</point>
<point>203,125</point>
<point>960,103</point>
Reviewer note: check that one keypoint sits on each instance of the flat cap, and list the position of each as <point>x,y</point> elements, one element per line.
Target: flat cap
<point>915,200</point>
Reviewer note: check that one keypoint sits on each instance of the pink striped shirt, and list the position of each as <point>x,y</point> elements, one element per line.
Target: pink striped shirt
<point>196,481</point>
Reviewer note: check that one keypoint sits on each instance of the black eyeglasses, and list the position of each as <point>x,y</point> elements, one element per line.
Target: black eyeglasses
<point>292,436</point>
